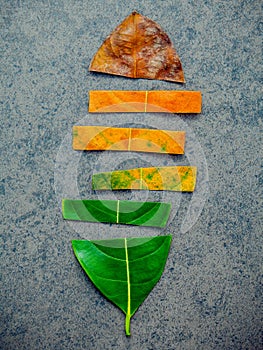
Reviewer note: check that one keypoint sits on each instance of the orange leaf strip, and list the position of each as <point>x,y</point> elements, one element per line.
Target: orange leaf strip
<point>169,101</point>
<point>94,138</point>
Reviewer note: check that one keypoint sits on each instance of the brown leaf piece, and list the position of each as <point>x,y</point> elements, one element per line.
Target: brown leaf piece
<point>139,48</point>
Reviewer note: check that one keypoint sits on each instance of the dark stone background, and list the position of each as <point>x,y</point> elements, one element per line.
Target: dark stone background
<point>210,293</point>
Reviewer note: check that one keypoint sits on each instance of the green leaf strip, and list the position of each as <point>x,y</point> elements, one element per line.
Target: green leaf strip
<point>153,214</point>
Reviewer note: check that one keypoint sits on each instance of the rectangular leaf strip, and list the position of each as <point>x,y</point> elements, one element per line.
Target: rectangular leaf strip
<point>154,214</point>
<point>96,138</point>
<point>168,101</point>
<point>174,178</point>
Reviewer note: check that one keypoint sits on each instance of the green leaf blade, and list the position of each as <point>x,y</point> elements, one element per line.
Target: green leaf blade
<point>124,270</point>
<point>110,280</point>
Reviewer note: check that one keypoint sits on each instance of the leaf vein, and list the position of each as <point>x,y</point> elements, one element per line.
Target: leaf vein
<point>109,279</point>
<point>108,255</point>
<point>146,255</point>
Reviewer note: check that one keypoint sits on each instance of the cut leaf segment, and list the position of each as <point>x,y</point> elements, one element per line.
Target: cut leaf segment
<point>168,101</point>
<point>124,270</point>
<point>138,48</point>
<point>91,138</point>
<point>173,178</point>
<point>117,212</point>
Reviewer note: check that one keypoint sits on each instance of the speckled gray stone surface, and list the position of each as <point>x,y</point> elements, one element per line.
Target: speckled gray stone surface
<point>209,295</point>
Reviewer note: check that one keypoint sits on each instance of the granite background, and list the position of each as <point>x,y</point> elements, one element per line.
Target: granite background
<point>210,294</point>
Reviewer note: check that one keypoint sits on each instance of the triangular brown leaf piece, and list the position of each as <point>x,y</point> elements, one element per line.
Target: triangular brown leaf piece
<point>139,48</point>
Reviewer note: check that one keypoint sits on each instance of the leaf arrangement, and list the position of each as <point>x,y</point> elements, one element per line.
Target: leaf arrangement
<point>126,269</point>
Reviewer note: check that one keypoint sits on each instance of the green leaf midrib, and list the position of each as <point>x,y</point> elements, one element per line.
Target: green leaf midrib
<point>128,312</point>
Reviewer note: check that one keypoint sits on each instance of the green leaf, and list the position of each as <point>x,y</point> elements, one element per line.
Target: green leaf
<point>125,270</point>
<point>117,212</point>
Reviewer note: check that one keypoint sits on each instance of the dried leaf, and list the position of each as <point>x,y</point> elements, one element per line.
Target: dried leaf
<point>92,138</point>
<point>139,48</point>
